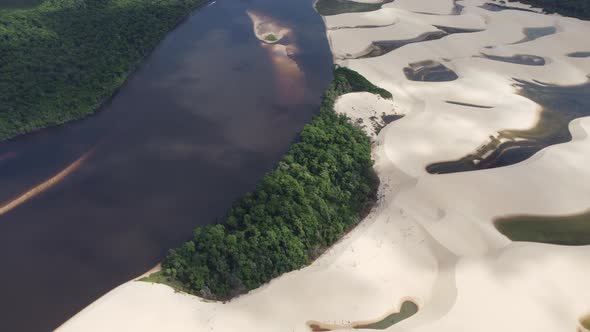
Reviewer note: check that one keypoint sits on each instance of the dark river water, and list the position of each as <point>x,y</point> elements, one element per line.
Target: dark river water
<point>206,115</point>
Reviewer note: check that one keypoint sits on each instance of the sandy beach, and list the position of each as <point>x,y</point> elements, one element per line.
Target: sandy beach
<point>430,238</point>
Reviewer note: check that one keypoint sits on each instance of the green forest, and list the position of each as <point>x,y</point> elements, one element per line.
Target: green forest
<point>569,230</point>
<point>572,8</point>
<point>60,59</point>
<point>320,189</point>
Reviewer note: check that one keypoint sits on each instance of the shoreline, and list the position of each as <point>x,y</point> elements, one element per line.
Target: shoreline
<point>429,237</point>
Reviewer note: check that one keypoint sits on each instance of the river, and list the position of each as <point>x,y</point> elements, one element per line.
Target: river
<point>194,128</point>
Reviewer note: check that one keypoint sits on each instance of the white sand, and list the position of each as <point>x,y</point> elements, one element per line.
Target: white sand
<point>430,238</point>
<point>38,189</point>
<point>440,7</point>
<point>265,28</point>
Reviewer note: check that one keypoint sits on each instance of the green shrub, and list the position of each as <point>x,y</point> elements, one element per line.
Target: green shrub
<point>319,189</point>
<point>271,38</point>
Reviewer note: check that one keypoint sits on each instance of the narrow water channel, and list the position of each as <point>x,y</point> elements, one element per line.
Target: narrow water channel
<point>199,123</point>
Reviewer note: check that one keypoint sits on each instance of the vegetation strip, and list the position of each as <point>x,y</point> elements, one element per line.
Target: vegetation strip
<point>320,189</point>
<point>563,230</point>
<point>407,310</point>
<point>60,60</point>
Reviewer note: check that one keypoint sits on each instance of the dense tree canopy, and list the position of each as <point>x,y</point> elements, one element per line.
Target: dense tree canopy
<point>61,59</point>
<point>346,80</point>
<point>318,191</point>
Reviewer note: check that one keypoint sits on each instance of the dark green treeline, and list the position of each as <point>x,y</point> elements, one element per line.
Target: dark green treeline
<point>61,59</point>
<point>318,191</point>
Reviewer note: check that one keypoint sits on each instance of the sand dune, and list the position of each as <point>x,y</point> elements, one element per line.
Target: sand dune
<point>431,237</point>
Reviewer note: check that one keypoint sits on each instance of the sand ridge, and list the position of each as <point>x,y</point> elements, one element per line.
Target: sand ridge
<point>38,189</point>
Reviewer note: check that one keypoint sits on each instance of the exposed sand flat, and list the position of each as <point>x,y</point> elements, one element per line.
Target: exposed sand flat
<point>430,238</point>
<point>351,42</point>
<point>517,189</point>
<point>440,7</point>
<point>368,110</point>
<point>288,74</point>
<point>514,288</point>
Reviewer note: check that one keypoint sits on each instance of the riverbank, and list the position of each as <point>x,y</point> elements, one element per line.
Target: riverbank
<point>430,238</point>
<point>64,62</point>
<point>320,189</point>
<point>200,122</point>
